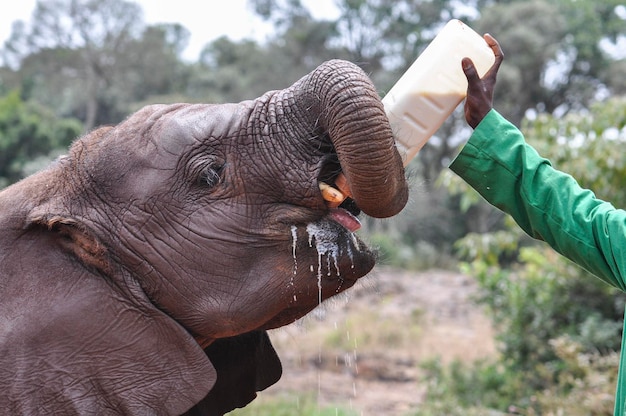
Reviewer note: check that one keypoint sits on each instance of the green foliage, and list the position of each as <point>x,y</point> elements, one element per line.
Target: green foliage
<point>232,72</point>
<point>535,299</point>
<point>27,131</point>
<point>586,386</point>
<point>492,247</point>
<point>589,385</point>
<point>288,406</point>
<point>545,297</point>
<point>458,389</point>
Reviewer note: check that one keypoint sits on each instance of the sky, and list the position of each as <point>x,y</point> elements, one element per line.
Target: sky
<point>232,18</point>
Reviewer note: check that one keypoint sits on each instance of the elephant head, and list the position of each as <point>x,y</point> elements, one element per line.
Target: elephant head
<point>183,225</point>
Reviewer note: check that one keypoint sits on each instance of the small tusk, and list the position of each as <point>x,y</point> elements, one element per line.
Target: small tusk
<point>331,195</point>
<point>342,184</point>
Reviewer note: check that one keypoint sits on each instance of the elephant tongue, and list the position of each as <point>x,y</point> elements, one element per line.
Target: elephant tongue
<point>345,218</point>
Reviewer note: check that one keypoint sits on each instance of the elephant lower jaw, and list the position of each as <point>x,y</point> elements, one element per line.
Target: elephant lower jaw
<point>327,259</point>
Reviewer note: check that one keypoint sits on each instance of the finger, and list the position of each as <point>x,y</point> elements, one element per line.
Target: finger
<point>497,52</point>
<point>492,42</point>
<point>470,70</point>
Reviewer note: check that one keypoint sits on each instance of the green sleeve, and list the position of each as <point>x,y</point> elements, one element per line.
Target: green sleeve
<point>548,204</point>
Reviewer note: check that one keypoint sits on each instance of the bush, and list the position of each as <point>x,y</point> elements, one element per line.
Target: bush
<point>538,299</point>
<point>462,390</point>
<point>587,388</point>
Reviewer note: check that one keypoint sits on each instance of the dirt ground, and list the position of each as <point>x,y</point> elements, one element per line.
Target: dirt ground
<point>363,350</point>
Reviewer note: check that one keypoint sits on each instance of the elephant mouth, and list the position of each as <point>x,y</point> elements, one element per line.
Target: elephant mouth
<point>345,218</point>
<point>345,213</point>
<point>339,251</point>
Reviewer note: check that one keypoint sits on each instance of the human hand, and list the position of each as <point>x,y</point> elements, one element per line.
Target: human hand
<point>479,99</point>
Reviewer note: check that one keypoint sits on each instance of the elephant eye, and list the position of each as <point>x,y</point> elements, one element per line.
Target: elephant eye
<point>211,176</point>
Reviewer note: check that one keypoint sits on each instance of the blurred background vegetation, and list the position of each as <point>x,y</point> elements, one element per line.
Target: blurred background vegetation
<point>83,63</point>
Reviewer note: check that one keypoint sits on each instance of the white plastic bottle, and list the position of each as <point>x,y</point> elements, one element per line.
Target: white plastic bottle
<point>434,85</point>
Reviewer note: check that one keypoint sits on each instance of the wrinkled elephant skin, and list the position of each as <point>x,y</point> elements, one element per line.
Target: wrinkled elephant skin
<point>140,272</point>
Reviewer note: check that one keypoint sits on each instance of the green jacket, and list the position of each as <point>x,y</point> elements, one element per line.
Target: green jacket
<point>549,205</point>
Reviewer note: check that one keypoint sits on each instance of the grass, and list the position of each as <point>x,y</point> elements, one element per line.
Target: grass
<point>372,332</point>
<point>290,406</point>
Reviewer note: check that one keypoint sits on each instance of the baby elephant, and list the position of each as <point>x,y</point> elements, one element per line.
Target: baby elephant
<point>139,273</point>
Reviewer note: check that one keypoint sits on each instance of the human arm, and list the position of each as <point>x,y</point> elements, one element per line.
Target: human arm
<point>547,204</point>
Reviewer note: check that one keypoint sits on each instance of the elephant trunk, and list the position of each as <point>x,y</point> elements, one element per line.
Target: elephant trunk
<point>351,111</point>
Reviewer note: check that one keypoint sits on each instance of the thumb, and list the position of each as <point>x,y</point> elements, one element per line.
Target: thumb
<point>470,70</point>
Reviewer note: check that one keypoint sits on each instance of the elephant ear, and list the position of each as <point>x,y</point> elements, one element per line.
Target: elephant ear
<point>245,364</point>
<point>91,342</point>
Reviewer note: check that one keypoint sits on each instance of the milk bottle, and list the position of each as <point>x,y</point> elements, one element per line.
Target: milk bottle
<point>433,86</point>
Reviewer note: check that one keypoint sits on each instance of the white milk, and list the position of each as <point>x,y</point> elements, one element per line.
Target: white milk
<point>434,85</point>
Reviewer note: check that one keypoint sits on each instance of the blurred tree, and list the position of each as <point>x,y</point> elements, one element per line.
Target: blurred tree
<point>614,75</point>
<point>150,70</point>
<point>382,36</point>
<point>88,33</point>
<point>232,71</point>
<point>91,58</point>
<point>554,58</point>
<point>28,131</point>
<point>530,34</point>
